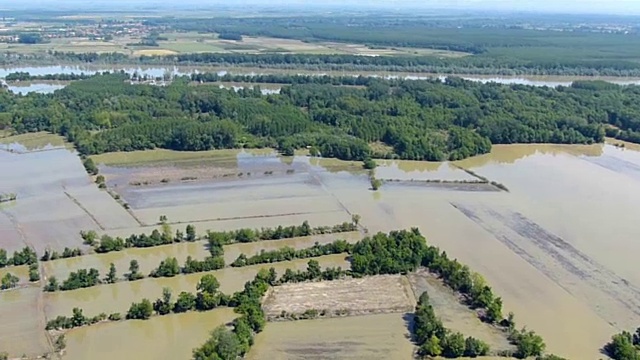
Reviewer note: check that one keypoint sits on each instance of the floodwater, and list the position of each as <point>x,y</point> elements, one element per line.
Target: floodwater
<point>150,258</point>
<point>119,296</point>
<point>560,247</point>
<point>42,88</point>
<point>420,170</point>
<point>384,336</point>
<point>160,71</point>
<point>22,322</point>
<point>163,337</point>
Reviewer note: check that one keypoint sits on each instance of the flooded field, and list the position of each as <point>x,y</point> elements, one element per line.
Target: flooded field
<point>22,322</point>
<point>384,336</point>
<point>566,233</point>
<point>454,315</point>
<point>119,296</point>
<point>165,337</point>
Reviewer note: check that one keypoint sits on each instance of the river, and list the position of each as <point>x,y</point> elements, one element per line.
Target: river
<point>160,71</point>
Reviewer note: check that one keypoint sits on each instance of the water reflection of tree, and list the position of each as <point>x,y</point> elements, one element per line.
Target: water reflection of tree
<point>509,154</point>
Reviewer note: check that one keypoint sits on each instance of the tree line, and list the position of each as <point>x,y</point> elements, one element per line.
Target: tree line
<point>433,339</point>
<point>26,256</point>
<point>419,120</point>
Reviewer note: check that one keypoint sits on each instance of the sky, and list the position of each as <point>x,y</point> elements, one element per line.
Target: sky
<point>627,7</point>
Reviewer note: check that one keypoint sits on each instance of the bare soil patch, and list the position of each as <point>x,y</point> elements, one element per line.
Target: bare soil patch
<point>369,295</point>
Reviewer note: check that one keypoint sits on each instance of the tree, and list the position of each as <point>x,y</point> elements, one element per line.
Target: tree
<point>528,343</point>
<point>494,311</point>
<point>9,281</point>
<point>369,164</point>
<point>141,310</point>
<point>313,269</point>
<point>355,219</point>
<point>3,258</point>
<point>78,318</point>
<point>186,301</point>
<point>90,166</point>
<point>163,306</point>
<point>167,268</point>
<point>52,285</point>
<point>134,271</point>
<point>622,347</point>
<point>208,284</point>
<point>34,273</point>
<point>375,183</point>
<point>474,348</point>
<point>431,347</point>
<point>453,345</point>
<point>191,233</point>
<point>222,345</point>
<point>111,275</point>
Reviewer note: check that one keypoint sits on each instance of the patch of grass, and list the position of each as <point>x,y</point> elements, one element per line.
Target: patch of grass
<point>33,141</point>
<point>162,155</point>
<point>189,46</point>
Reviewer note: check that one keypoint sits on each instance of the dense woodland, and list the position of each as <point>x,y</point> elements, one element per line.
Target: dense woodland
<point>420,120</point>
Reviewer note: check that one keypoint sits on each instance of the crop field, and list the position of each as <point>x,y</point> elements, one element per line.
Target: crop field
<point>380,336</point>
<point>374,294</point>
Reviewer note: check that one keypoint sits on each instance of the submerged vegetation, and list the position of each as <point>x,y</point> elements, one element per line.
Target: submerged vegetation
<point>8,197</point>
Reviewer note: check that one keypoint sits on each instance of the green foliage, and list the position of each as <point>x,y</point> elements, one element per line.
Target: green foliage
<point>89,237</point>
<point>66,253</point>
<point>185,302</point>
<point>82,278</point>
<point>24,257</point>
<point>111,275</point>
<point>9,281</point>
<point>369,164</point>
<point>164,305</point>
<point>474,348</point>
<point>52,284</point>
<point>4,261</point>
<point>167,268</point>
<point>91,168</point>
<point>528,343</point>
<point>624,346</point>
<point>287,253</point>
<point>397,252</point>
<point>134,271</point>
<point>115,317</point>
<point>60,343</point>
<point>141,310</point>
<point>222,345</point>
<point>34,273</point>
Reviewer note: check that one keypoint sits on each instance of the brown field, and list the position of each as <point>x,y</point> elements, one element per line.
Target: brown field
<point>22,323</point>
<point>380,336</point>
<point>369,295</point>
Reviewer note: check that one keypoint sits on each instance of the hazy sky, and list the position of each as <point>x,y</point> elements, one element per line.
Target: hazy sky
<point>566,6</point>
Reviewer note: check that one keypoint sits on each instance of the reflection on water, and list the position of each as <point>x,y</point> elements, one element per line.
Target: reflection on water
<point>509,154</point>
<point>419,170</point>
<point>36,87</point>
<point>163,337</point>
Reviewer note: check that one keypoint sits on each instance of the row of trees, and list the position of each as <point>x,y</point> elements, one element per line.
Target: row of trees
<point>26,256</point>
<point>9,281</point>
<point>288,253</point>
<point>66,253</point>
<point>165,236</point>
<point>433,339</point>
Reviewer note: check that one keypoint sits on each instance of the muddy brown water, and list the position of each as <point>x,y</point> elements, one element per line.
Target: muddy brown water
<point>560,247</point>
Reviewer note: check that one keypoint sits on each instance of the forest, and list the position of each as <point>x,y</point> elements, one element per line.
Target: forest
<point>418,119</point>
